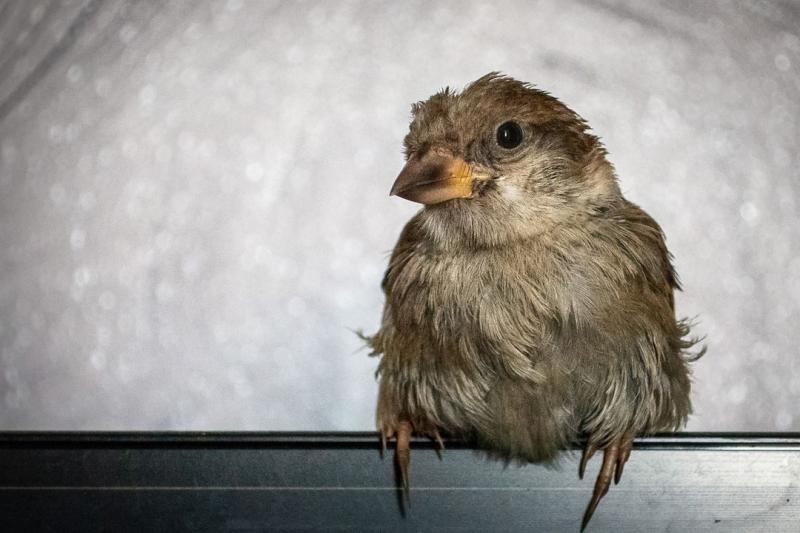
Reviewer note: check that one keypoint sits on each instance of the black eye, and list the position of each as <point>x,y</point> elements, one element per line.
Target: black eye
<point>509,135</point>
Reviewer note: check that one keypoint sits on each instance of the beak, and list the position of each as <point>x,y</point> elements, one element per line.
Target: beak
<point>434,178</point>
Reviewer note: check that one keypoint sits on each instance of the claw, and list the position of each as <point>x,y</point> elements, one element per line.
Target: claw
<point>603,482</point>
<point>588,452</point>
<point>386,434</point>
<point>626,445</point>
<point>438,438</point>
<point>402,455</point>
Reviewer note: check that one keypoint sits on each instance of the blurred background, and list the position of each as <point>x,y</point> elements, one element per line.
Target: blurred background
<point>194,209</point>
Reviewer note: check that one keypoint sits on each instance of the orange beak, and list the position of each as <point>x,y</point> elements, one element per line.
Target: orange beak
<point>434,178</point>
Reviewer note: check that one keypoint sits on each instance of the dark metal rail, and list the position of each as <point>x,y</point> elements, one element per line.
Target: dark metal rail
<point>72,481</point>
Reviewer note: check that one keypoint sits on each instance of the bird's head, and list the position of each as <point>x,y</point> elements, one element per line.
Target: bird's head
<point>499,161</point>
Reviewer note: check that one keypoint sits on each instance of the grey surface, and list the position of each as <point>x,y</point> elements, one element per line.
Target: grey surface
<point>279,483</point>
<point>194,209</point>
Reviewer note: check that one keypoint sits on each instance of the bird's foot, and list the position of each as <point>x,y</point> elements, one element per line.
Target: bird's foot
<point>402,452</point>
<point>402,432</point>
<point>615,455</point>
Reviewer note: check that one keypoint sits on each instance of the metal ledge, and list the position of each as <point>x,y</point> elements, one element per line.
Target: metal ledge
<point>67,481</point>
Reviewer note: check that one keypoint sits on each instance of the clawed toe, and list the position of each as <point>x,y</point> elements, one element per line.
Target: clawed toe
<point>402,432</point>
<point>402,454</point>
<point>615,455</point>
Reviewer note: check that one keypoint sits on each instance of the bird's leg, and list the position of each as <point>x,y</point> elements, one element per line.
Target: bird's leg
<point>615,455</point>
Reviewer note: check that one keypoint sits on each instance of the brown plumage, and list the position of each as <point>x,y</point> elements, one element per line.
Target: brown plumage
<point>529,305</point>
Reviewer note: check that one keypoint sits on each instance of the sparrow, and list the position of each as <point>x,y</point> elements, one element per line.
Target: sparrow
<point>529,305</point>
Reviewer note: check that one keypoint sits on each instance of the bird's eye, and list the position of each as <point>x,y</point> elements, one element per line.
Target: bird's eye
<point>509,135</point>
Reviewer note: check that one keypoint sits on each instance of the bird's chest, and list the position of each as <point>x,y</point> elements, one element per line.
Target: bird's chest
<point>481,311</point>
<point>442,296</point>
<point>460,325</point>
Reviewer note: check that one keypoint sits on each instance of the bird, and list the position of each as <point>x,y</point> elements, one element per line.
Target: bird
<point>529,305</point>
